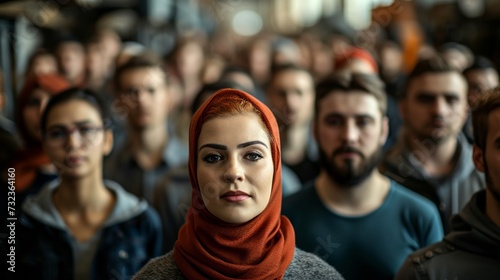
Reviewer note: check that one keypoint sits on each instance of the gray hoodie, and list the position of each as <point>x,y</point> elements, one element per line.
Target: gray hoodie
<point>42,209</point>
<point>131,218</point>
<point>451,193</point>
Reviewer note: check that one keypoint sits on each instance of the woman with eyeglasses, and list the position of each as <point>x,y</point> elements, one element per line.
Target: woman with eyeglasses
<point>234,228</point>
<point>81,226</point>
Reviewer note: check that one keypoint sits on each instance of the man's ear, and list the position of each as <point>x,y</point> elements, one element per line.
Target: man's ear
<point>478,158</point>
<point>108,142</point>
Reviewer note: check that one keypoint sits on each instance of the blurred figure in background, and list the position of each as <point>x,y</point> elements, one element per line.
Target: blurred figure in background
<point>290,96</point>
<point>356,60</point>
<point>33,167</point>
<point>41,61</point>
<point>481,76</point>
<point>8,135</point>
<point>81,226</point>
<point>432,156</point>
<point>457,55</point>
<point>187,61</point>
<point>111,46</point>
<point>96,68</point>
<point>70,54</point>
<point>149,149</point>
<point>472,249</point>
<point>259,59</point>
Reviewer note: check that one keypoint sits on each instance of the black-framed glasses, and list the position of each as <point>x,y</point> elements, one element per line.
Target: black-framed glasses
<point>59,135</point>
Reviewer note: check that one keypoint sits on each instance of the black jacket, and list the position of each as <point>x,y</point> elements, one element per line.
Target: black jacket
<point>470,251</point>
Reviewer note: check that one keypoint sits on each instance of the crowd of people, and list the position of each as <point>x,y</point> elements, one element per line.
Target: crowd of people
<point>289,159</point>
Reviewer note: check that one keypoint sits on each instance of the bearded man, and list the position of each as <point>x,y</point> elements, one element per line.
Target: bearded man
<point>353,217</point>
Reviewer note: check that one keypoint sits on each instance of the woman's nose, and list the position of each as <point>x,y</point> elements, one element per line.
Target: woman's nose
<point>233,172</point>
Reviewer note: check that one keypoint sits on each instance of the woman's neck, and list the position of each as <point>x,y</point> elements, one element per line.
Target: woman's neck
<point>81,194</point>
<point>84,205</point>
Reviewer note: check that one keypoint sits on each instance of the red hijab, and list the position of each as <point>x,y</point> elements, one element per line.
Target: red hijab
<point>33,157</point>
<point>208,247</point>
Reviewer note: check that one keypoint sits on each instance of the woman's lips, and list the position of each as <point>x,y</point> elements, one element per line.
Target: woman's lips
<point>237,196</point>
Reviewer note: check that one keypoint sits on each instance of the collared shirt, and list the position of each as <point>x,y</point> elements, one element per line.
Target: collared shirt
<point>123,168</point>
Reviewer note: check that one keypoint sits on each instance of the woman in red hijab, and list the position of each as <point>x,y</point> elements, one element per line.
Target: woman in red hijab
<point>234,228</point>
<point>33,168</point>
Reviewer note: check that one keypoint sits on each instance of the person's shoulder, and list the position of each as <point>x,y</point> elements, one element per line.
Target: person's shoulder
<point>424,262</point>
<point>163,267</point>
<point>410,198</point>
<point>301,196</point>
<point>309,266</point>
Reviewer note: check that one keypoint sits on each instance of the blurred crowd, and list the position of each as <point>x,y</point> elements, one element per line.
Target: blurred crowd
<point>429,92</point>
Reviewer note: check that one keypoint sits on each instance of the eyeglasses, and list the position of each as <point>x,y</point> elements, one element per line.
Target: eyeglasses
<point>59,135</point>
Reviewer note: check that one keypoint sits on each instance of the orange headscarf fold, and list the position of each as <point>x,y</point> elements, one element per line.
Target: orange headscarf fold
<point>209,248</point>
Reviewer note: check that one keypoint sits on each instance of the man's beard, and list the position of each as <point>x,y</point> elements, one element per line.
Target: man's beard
<point>348,175</point>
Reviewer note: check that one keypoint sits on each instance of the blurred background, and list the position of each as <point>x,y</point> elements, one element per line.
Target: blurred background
<point>229,29</point>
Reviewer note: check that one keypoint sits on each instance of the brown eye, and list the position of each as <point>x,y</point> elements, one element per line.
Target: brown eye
<point>57,134</point>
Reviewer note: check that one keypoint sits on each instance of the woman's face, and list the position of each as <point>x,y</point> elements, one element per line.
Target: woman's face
<point>32,112</point>
<point>75,139</point>
<point>235,167</point>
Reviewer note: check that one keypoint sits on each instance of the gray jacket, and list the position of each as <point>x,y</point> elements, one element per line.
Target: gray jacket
<point>470,251</point>
<point>450,194</point>
<point>303,266</point>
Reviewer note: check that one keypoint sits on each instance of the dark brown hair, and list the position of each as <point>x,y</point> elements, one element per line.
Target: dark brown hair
<point>146,61</point>
<point>347,81</point>
<point>485,104</point>
<point>436,64</point>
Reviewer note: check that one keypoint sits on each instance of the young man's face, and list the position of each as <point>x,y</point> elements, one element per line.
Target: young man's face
<point>291,97</point>
<point>479,81</point>
<point>144,94</point>
<point>350,131</point>
<point>435,106</point>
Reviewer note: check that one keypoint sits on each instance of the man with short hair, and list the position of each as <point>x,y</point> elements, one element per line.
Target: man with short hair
<point>70,56</point>
<point>290,96</point>
<point>149,150</point>
<point>355,218</point>
<point>472,249</point>
<point>481,76</point>
<point>432,156</point>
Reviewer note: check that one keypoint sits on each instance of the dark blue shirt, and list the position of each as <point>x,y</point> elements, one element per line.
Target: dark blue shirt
<point>371,246</point>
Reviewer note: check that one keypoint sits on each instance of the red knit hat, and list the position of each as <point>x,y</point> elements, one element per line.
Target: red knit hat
<point>356,53</point>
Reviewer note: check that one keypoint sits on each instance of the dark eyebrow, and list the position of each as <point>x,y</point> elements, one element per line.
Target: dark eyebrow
<point>365,116</point>
<point>426,94</point>
<point>242,145</point>
<point>337,115</point>
<point>214,146</point>
<point>250,143</point>
<point>84,122</point>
